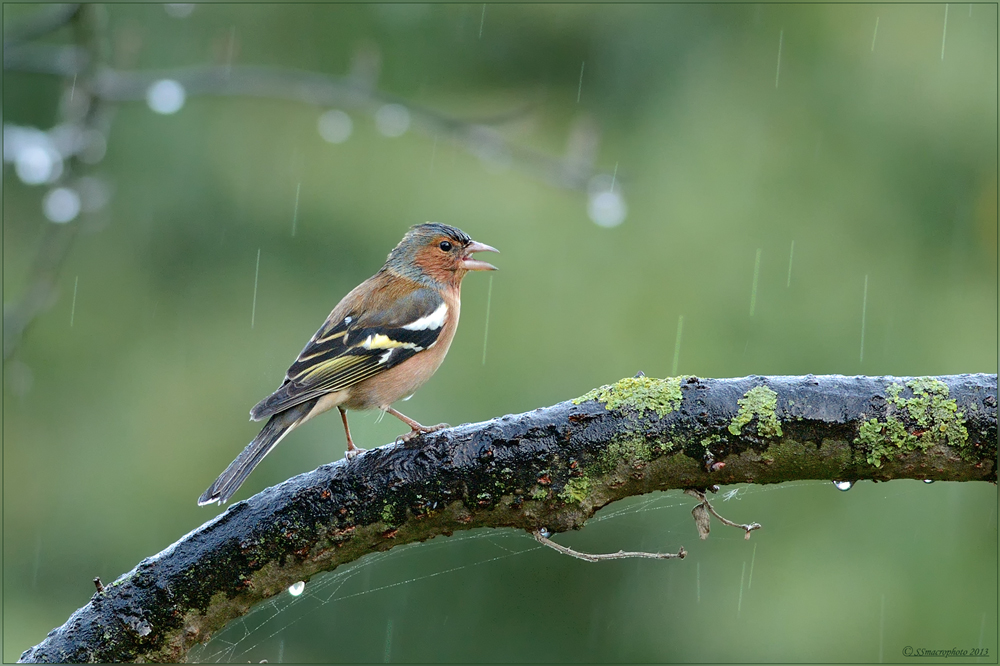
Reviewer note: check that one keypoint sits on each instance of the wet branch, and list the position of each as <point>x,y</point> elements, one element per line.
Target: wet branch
<point>544,471</point>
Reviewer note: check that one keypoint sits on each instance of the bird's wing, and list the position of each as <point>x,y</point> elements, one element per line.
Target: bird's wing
<point>358,345</point>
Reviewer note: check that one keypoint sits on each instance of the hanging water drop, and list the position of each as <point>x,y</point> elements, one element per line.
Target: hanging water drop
<point>297,588</point>
<point>928,480</point>
<point>843,485</point>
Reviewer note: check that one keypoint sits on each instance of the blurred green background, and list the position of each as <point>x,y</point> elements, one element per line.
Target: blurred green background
<point>872,147</point>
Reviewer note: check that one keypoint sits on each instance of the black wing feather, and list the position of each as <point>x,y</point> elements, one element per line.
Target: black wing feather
<point>336,357</point>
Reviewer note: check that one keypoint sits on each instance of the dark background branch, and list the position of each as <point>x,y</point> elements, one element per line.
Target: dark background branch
<point>549,469</point>
<point>101,87</point>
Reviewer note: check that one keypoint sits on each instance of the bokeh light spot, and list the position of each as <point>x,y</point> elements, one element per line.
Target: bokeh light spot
<point>607,209</point>
<point>166,96</point>
<point>392,120</point>
<point>61,205</point>
<point>335,126</point>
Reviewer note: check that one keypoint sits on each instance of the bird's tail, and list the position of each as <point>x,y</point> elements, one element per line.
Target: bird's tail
<point>273,432</point>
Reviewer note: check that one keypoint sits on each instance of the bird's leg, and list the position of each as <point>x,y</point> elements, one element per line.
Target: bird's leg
<point>415,428</point>
<point>352,451</point>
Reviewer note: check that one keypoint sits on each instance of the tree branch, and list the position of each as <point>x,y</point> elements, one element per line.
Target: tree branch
<point>101,87</point>
<point>544,471</point>
<point>85,113</point>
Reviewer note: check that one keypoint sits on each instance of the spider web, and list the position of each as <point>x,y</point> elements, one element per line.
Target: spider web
<point>261,631</point>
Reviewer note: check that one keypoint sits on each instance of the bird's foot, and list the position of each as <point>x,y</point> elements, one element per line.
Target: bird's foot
<point>420,430</point>
<point>353,452</point>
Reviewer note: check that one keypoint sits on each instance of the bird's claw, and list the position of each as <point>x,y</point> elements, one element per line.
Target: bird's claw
<point>403,439</point>
<point>351,454</point>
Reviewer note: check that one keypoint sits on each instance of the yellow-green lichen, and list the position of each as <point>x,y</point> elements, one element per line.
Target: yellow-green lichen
<point>387,513</point>
<point>934,419</point>
<point>634,451</point>
<point>761,402</point>
<point>710,440</point>
<point>641,393</point>
<point>575,490</point>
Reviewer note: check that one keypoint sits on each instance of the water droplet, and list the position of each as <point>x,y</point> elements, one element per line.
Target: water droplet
<point>545,532</point>
<point>166,96</point>
<point>843,485</point>
<point>335,126</point>
<point>928,480</point>
<point>61,205</point>
<point>392,120</point>
<point>296,589</point>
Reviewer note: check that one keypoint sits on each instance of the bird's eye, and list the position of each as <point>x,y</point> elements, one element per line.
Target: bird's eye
<point>445,246</point>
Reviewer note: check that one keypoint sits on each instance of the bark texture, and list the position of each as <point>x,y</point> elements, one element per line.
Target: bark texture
<point>550,468</point>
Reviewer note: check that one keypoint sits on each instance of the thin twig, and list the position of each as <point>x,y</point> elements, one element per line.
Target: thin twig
<point>478,136</point>
<point>748,528</point>
<point>107,86</point>
<point>598,557</point>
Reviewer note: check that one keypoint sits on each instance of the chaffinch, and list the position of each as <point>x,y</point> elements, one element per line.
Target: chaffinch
<point>380,344</point>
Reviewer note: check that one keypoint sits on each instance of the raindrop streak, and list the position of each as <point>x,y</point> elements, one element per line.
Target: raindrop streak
<point>72,89</point>
<point>486,330</point>
<point>753,291</point>
<point>72,310</point>
<point>791,254</point>
<point>297,588</point>
<point>580,87</point>
<point>253,312</point>
<point>229,55</point>
<point>481,21</point>
<point>752,558</point>
<point>944,32</point>
<point>38,562</point>
<point>697,580</point>
<point>295,214</point>
<point>881,629</point>
<point>677,345</point>
<point>864,307</point>
<point>614,177</point>
<point>777,72</point>
<point>739,604</point>
<point>875,35</point>
<point>281,651</point>
<point>388,643</point>
<point>843,485</point>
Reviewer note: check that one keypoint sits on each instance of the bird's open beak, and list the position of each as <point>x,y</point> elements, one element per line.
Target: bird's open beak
<point>470,264</point>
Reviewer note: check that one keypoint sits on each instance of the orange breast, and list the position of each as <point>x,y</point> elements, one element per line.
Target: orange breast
<point>403,380</point>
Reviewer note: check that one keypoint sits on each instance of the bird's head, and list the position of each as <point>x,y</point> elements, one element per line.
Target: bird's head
<point>437,252</point>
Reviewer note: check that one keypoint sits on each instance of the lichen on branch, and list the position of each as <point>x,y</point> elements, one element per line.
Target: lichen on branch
<point>551,468</point>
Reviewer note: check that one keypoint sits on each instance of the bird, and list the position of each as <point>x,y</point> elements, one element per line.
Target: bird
<point>382,341</point>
